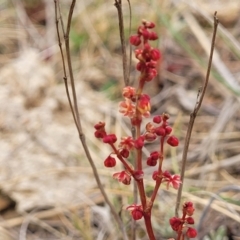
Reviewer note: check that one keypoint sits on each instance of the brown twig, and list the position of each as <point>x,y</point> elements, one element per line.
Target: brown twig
<point>118,5</point>
<point>193,115</point>
<point>133,130</point>
<point>130,48</point>
<point>74,105</point>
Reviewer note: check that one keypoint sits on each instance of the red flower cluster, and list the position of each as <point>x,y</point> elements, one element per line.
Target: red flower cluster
<point>136,106</point>
<point>147,55</point>
<point>100,130</point>
<point>161,130</point>
<point>134,103</point>
<point>181,225</point>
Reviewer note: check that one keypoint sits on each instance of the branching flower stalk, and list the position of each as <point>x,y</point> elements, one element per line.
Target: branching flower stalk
<point>136,106</point>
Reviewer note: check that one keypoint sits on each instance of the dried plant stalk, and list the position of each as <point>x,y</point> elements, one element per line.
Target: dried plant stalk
<point>193,115</point>
<point>74,103</point>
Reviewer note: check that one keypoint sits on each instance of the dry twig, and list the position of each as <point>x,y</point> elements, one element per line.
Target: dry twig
<point>74,105</point>
<point>118,5</point>
<point>193,116</point>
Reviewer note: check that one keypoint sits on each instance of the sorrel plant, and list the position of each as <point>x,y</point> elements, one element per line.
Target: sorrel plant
<point>136,106</point>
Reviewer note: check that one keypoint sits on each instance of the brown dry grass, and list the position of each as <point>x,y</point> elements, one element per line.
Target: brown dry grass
<point>43,168</point>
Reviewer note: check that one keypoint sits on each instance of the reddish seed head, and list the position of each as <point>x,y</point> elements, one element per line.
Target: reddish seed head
<point>136,211</point>
<point>190,220</point>
<point>191,232</point>
<point>151,64</point>
<point>173,141</point>
<point>110,162</point>
<point>157,119</point>
<point>150,137</point>
<point>99,134</point>
<point>135,40</point>
<point>150,74</point>
<point>188,208</point>
<point>151,162</point>
<point>137,214</point>
<point>176,223</point>
<point>160,131</point>
<point>153,36</point>
<point>155,54</point>
<point>124,153</point>
<point>145,33</point>
<point>110,138</point>
<point>168,130</point>
<point>141,66</point>
<point>154,155</point>
<point>99,125</point>
<point>138,144</point>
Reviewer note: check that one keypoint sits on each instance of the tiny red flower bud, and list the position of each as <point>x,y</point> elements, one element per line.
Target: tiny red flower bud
<point>138,144</point>
<point>151,64</point>
<point>110,138</point>
<point>140,66</point>
<point>173,141</point>
<point>188,208</point>
<point>154,155</point>
<point>155,175</point>
<point>145,34</point>
<point>151,162</point>
<point>135,40</point>
<point>137,214</point>
<point>190,220</point>
<point>99,125</point>
<point>136,211</point>
<point>151,73</point>
<point>191,232</point>
<point>152,36</point>
<point>150,137</point>
<point>110,162</point>
<point>99,134</point>
<point>157,119</point>
<point>160,131</point>
<point>168,130</point>
<point>124,153</point>
<point>175,223</point>
<point>155,54</point>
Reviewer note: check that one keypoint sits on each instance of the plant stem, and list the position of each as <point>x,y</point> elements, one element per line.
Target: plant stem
<point>148,224</point>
